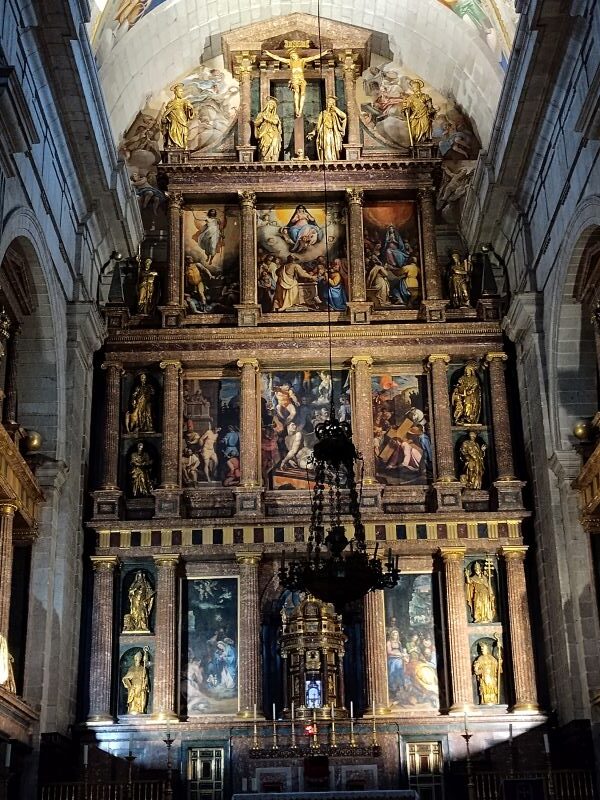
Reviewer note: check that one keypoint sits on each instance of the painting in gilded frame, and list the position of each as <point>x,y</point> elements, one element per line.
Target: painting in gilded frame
<point>302,258</point>
<point>292,404</point>
<point>392,255</point>
<point>403,453</point>
<point>211,259</point>
<point>211,432</point>
<point>209,680</point>
<point>410,643</point>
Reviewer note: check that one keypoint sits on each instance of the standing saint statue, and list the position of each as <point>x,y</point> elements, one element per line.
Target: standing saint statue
<point>466,397</point>
<point>487,670</point>
<point>297,83</point>
<point>139,417</point>
<point>420,113</point>
<point>140,465</point>
<point>267,128</point>
<point>7,678</point>
<point>459,276</point>
<point>329,131</point>
<point>472,455</point>
<point>175,119</point>
<point>146,283</point>
<point>141,600</point>
<point>137,682</point>
<point>480,594</point>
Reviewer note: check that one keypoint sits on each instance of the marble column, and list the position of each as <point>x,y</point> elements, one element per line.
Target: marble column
<point>433,304</point>
<point>7,515</point>
<point>164,702</point>
<point>172,309</point>
<point>362,409</point>
<point>168,495</point>
<point>456,623</point>
<point>10,382</point>
<point>101,653</point>
<point>376,657</point>
<point>249,429</point>
<point>353,148</point>
<point>249,655</point>
<point>112,425</point>
<point>446,486</point>
<point>248,309</point>
<point>243,72</point>
<point>521,646</point>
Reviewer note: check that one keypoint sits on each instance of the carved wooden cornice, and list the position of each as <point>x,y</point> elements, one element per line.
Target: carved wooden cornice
<point>17,483</point>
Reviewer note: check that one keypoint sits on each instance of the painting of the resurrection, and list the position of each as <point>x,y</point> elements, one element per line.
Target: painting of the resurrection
<point>211,259</point>
<point>410,644</point>
<point>292,404</point>
<point>392,257</point>
<point>211,433</point>
<point>209,679</point>
<point>401,429</point>
<point>294,244</point>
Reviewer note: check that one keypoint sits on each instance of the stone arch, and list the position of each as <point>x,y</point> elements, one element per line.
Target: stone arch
<point>41,373</point>
<point>571,348</point>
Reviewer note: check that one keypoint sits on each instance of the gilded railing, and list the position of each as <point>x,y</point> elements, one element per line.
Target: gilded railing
<point>558,784</point>
<point>82,790</point>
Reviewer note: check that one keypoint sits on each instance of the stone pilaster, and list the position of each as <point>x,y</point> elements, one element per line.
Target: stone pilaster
<point>433,306</point>
<point>362,410</point>
<point>360,310</point>
<point>248,492</point>
<point>456,624</point>
<point>106,499</point>
<point>243,72</point>
<point>167,497</point>
<point>521,647</point>
<point>10,383</point>
<point>165,639</point>
<point>7,515</point>
<point>172,309</point>
<point>248,309</point>
<point>249,680</point>
<point>101,655</point>
<point>446,487</point>
<point>376,657</point>
<point>353,148</point>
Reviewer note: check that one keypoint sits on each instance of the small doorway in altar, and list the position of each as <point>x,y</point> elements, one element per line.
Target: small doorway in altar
<point>205,773</point>
<point>425,762</point>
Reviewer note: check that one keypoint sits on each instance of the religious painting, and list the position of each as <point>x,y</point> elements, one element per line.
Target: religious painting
<point>211,259</point>
<point>211,432</point>
<point>495,22</point>
<point>403,454</point>
<point>410,643</point>
<point>302,258</point>
<point>392,254</point>
<point>292,405</point>
<point>209,677</point>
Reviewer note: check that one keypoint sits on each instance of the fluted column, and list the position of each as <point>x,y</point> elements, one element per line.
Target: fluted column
<point>170,425</point>
<point>111,425</point>
<point>10,383</point>
<point>500,421</point>
<point>249,646</point>
<point>521,651</point>
<point>101,655</point>
<point>362,409</point>
<point>175,270</point>
<point>165,638</point>
<point>249,430</point>
<point>376,658</point>
<point>353,147</point>
<point>444,449</point>
<point>358,288</point>
<point>456,623</point>
<point>243,72</point>
<point>7,515</point>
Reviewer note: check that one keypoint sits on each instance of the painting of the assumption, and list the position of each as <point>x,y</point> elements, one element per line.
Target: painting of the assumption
<point>292,405</point>
<point>410,644</point>
<point>209,680</point>
<point>301,258</point>
<point>401,429</point>
<point>392,257</point>
<point>211,433</point>
<point>211,259</point>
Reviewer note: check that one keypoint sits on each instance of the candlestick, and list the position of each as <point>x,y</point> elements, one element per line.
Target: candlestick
<point>374,726</point>
<point>352,739</point>
<point>293,734</point>
<point>274,734</point>
<point>315,740</point>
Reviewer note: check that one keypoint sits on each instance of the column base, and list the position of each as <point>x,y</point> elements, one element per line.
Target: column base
<point>107,503</point>
<point>248,501</point>
<point>116,316</point>
<point>165,716</point>
<point>489,309</point>
<point>360,312</point>
<point>371,499</point>
<point>246,153</point>
<point>447,495</point>
<point>461,709</point>
<point>167,502</point>
<point>248,315</point>
<point>507,495</point>
<point>525,707</point>
<point>353,151</point>
<point>100,719</point>
<point>171,315</point>
<point>433,310</point>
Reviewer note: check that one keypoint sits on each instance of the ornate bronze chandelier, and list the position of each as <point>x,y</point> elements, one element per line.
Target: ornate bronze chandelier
<point>337,569</point>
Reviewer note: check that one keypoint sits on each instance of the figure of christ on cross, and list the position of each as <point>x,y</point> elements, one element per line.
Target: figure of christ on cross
<point>297,84</point>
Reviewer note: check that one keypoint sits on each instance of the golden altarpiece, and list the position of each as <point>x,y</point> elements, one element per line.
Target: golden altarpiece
<point>302,257</point>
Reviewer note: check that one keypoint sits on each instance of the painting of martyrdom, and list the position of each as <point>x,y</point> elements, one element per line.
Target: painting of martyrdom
<point>301,258</point>
<point>211,259</point>
<point>392,257</point>
<point>209,679</point>
<point>410,643</point>
<point>211,433</point>
<point>292,404</point>
<point>401,429</point>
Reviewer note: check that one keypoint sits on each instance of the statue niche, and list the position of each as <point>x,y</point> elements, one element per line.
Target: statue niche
<point>141,596</point>
<point>135,680</point>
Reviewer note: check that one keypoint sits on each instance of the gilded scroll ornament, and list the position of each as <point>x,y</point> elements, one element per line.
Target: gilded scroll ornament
<point>268,131</point>
<point>487,669</point>
<point>480,594</point>
<point>146,288</point>
<point>296,63</point>
<point>420,113</point>
<point>137,682</point>
<point>139,417</point>
<point>472,456</point>
<point>140,465</point>
<point>459,281</point>
<point>466,397</point>
<point>141,600</point>
<point>329,131</point>
<point>175,119</point>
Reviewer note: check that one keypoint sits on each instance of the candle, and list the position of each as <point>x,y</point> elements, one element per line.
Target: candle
<point>274,714</point>
<point>510,734</point>
<point>466,719</point>
<point>546,744</point>
<point>85,755</point>
<point>7,752</point>
<point>373,712</point>
<point>254,712</point>
<point>332,711</point>
<point>351,709</point>
<point>293,711</point>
